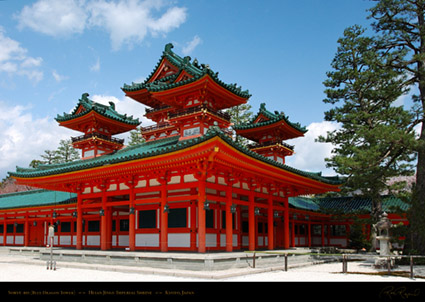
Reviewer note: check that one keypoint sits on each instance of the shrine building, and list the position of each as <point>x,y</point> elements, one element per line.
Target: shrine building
<point>189,187</point>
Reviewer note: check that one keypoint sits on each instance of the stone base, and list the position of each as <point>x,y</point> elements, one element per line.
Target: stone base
<point>382,262</point>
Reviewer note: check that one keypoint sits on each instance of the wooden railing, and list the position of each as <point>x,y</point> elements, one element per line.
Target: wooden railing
<point>97,135</point>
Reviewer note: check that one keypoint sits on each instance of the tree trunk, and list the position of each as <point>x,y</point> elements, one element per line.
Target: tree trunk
<point>417,220</point>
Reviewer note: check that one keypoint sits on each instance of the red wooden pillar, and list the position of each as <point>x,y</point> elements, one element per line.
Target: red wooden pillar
<point>79,245</point>
<point>251,221</point>
<point>229,217</point>
<point>201,215</point>
<point>132,218</point>
<point>270,222</point>
<point>164,218</point>
<point>323,233</point>
<point>104,221</point>
<point>4,231</point>
<point>286,226</point>
<point>109,212</point>
<point>193,225</point>
<point>26,232</point>
<point>293,234</point>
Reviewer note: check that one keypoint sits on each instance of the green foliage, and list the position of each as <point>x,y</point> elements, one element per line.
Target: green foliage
<point>357,239</point>
<point>241,114</point>
<point>66,152</point>
<point>135,137</point>
<point>402,24</point>
<point>376,138</point>
<point>63,154</point>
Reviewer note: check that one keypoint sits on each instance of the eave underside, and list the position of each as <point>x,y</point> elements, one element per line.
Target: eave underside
<point>211,157</point>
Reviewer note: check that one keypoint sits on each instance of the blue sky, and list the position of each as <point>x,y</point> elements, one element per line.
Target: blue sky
<point>51,52</point>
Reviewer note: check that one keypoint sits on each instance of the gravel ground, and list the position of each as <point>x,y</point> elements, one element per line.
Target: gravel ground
<point>26,269</point>
<point>24,276</point>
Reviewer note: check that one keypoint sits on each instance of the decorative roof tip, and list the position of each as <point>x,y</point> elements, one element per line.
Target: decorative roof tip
<point>168,47</point>
<point>89,105</point>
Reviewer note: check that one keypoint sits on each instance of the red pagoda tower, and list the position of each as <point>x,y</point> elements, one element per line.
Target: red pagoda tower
<point>268,131</point>
<point>98,123</point>
<point>190,186</point>
<point>186,98</point>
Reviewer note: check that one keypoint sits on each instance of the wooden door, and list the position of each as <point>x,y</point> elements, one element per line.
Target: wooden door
<point>36,234</point>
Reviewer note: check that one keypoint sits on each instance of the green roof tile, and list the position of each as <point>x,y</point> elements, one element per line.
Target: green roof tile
<point>303,203</point>
<point>107,111</point>
<point>273,118</point>
<point>184,64</point>
<point>152,148</point>
<point>358,204</point>
<point>35,198</point>
<point>347,205</point>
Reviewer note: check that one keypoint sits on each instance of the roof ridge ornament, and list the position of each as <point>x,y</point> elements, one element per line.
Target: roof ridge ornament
<point>168,47</point>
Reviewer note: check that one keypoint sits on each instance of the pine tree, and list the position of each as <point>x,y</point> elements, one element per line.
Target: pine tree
<point>240,114</point>
<point>402,23</point>
<point>49,157</point>
<point>376,139</point>
<point>135,137</point>
<point>66,152</point>
<point>63,154</point>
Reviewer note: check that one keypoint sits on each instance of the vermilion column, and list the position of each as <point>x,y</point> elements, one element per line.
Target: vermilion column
<point>26,232</point>
<point>103,223</point>
<point>132,220</point>
<point>270,222</point>
<point>79,221</point>
<point>229,219</point>
<point>251,221</point>
<point>286,224</point>
<point>293,234</point>
<point>4,230</point>
<point>201,216</point>
<point>164,218</point>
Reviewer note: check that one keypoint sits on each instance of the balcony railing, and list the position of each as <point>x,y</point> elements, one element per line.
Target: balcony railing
<point>156,127</point>
<point>181,112</point>
<point>152,110</point>
<point>97,135</point>
<point>270,143</point>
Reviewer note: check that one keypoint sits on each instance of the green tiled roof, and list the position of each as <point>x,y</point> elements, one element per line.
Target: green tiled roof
<point>359,204</point>
<point>184,64</point>
<point>273,118</point>
<point>107,111</point>
<point>153,148</point>
<point>35,198</point>
<point>126,154</point>
<point>347,205</point>
<point>303,203</point>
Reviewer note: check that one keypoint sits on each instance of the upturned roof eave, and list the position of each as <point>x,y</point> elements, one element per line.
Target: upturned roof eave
<point>82,165</point>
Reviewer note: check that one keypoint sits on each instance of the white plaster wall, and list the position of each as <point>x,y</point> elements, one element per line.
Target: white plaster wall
<point>151,240</point>
<point>93,240</point>
<point>179,240</point>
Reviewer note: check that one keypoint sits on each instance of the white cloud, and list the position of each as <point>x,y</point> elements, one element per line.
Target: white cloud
<point>129,21</point>
<point>24,138</point>
<point>54,18</point>
<point>58,77</point>
<point>126,21</point>
<point>309,154</point>
<point>125,105</point>
<point>190,46</point>
<point>15,61</point>
<point>96,66</point>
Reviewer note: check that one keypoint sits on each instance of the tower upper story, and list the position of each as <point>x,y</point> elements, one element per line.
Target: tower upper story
<point>98,123</point>
<point>184,97</point>
<point>268,131</point>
